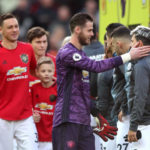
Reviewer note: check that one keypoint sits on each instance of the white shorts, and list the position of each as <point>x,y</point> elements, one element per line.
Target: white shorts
<point>45,146</point>
<point>97,138</point>
<point>109,145</point>
<point>123,128</point>
<point>144,142</point>
<point>23,131</point>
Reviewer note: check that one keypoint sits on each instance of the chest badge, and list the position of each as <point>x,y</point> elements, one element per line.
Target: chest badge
<point>24,58</point>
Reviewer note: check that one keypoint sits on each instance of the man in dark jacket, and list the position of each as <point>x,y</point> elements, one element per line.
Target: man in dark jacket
<point>104,101</point>
<point>140,112</point>
<point>121,40</point>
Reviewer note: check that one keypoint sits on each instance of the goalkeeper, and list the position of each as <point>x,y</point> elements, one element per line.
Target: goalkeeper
<point>71,122</point>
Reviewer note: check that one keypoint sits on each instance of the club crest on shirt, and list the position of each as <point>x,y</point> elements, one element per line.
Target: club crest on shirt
<point>76,57</point>
<point>24,58</point>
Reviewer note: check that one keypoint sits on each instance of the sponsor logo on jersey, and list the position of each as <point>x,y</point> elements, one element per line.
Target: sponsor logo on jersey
<point>31,83</point>
<point>76,57</point>
<point>85,76</point>
<point>44,106</point>
<point>17,71</point>
<point>24,58</point>
<point>97,57</point>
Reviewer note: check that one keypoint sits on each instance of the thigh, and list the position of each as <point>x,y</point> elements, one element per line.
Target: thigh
<point>98,142</point>
<point>6,135</point>
<point>86,138</point>
<point>45,146</point>
<point>123,128</point>
<point>109,145</point>
<point>65,136</point>
<point>26,134</point>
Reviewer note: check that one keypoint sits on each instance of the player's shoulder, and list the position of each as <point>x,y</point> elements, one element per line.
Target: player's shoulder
<point>51,56</point>
<point>20,43</point>
<point>67,50</point>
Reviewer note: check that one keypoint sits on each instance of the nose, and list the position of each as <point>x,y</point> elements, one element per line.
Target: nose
<point>42,44</point>
<point>92,33</point>
<point>15,28</point>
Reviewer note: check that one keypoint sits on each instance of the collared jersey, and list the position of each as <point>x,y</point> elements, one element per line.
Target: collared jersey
<point>72,66</point>
<point>41,99</point>
<point>14,81</point>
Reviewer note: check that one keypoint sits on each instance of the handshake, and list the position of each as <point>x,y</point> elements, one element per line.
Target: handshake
<point>104,130</point>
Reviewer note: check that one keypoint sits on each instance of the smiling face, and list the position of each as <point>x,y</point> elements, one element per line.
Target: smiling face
<point>10,30</point>
<point>40,45</point>
<point>86,33</point>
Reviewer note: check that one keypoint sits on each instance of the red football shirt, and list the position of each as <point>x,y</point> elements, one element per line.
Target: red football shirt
<point>14,81</point>
<point>45,107</point>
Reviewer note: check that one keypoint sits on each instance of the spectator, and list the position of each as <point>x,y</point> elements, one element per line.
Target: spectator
<point>63,16</point>
<point>24,17</point>
<point>45,14</point>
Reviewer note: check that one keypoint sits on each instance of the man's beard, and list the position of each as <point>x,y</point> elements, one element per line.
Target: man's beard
<point>82,39</point>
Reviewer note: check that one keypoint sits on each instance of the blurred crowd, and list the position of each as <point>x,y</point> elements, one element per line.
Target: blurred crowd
<point>52,15</point>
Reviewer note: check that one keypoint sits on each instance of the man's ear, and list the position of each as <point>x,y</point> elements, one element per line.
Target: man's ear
<point>140,43</point>
<point>119,44</point>
<point>77,29</point>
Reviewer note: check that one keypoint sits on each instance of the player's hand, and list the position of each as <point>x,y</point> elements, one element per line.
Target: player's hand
<point>36,117</point>
<point>104,130</point>
<point>132,136</point>
<point>138,52</point>
<point>120,115</point>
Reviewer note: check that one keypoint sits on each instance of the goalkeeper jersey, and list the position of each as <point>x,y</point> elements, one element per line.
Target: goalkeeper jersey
<point>72,66</point>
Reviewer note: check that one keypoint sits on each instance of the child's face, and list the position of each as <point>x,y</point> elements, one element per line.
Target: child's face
<point>45,72</point>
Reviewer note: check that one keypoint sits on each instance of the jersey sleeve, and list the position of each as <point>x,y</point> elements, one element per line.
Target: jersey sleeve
<point>75,59</point>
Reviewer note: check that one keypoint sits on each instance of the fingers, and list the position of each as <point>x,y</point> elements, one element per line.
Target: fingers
<point>109,136</point>
<point>103,137</point>
<point>36,117</point>
<point>112,128</point>
<point>132,138</point>
<point>112,132</point>
<point>136,45</point>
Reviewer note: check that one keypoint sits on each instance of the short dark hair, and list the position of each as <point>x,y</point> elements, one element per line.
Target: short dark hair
<point>105,37</point>
<point>121,31</point>
<point>36,32</point>
<point>79,19</point>
<point>142,33</point>
<point>111,27</point>
<point>5,17</point>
